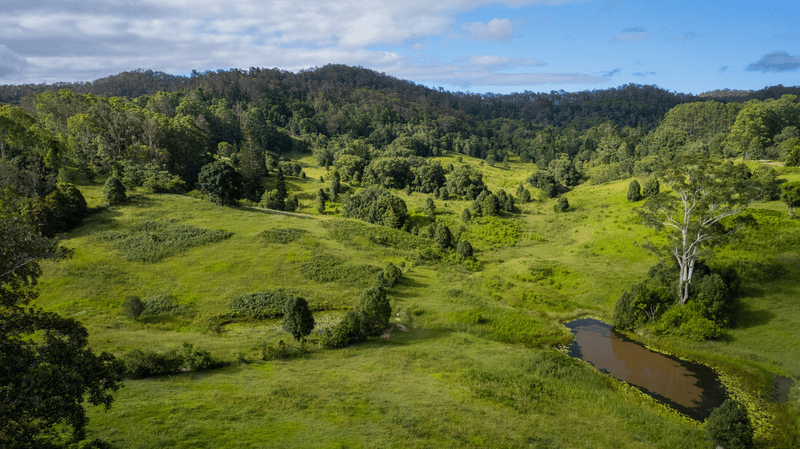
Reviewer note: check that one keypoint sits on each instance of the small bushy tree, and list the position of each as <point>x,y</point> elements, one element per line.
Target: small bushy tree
<point>297,318</point>
<point>490,205</point>
<point>562,205</point>
<point>374,310</point>
<point>466,216</point>
<point>651,187</point>
<point>790,192</point>
<point>634,191</point>
<point>221,183</point>
<point>464,249</point>
<point>133,307</point>
<point>443,237</point>
<point>113,191</point>
<point>729,426</point>
<point>430,209</point>
<point>392,274</point>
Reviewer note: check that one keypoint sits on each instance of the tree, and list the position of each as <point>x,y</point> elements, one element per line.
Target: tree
<point>704,194</point>
<point>464,248</point>
<point>651,187</point>
<point>466,182</point>
<point>729,426</point>
<point>320,201</point>
<point>113,191</point>
<point>524,196</point>
<point>561,205</point>
<point>272,200</point>
<point>221,183</point>
<point>466,216</point>
<point>374,310</point>
<point>430,209</point>
<point>47,371</point>
<point>790,192</point>
<point>490,205</point>
<point>297,318</point>
<point>443,237</point>
<point>280,185</point>
<point>634,191</point>
<point>291,203</point>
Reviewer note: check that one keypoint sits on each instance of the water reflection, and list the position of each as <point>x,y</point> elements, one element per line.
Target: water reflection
<point>691,388</point>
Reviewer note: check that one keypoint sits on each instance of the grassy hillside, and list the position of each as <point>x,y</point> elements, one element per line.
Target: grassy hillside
<point>476,365</point>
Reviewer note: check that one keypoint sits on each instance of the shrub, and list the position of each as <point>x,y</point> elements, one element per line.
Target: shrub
<point>133,307</point>
<point>634,191</point>
<point>443,237</point>
<point>291,203</point>
<point>61,210</point>
<point>324,268</point>
<point>374,310</point>
<point>260,305</point>
<point>465,216</point>
<point>278,235</point>
<point>164,304</point>
<point>113,191</point>
<point>464,249</point>
<point>221,182</point>
<point>651,187</point>
<point>392,274</point>
<point>729,426</point>
<point>152,241</point>
<point>147,363</point>
<point>297,318</point>
<point>490,205</point>
<point>346,332</point>
<point>562,205</point>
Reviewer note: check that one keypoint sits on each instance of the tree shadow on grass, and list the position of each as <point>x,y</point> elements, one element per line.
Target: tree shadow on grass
<point>747,316</point>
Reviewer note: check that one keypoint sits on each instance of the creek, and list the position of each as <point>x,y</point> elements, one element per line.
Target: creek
<point>691,388</point>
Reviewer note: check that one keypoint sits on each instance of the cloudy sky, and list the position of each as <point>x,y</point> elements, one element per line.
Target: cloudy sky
<point>461,45</point>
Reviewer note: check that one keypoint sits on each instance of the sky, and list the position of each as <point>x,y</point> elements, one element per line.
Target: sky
<point>459,45</point>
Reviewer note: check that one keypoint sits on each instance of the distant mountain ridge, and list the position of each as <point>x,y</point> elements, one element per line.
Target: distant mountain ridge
<point>627,105</point>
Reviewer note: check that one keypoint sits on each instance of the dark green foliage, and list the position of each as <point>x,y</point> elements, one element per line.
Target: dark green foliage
<point>647,301</point>
<point>545,182</point>
<point>490,205</point>
<point>430,209</point>
<point>47,372</point>
<point>221,183</point>
<point>443,237</point>
<point>133,307</point>
<point>466,216</point>
<point>278,235</point>
<point>561,205</point>
<point>320,199</point>
<point>729,426</point>
<point>444,194</point>
<point>323,268</point>
<point>371,204</point>
<point>464,249</point>
<point>380,281</point>
<point>272,200</point>
<point>165,304</point>
<point>113,191</point>
<point>334,189</point>
<point>392,275</point>
<point>346,332</point>
<point>505,201</point>
<point>634,191</point>
<point>651,187</point>
<point>465,182</point>
<point>148,363</point>
<point>152,241</point>
<point>524,196</point>
<point>351,232</point>
<point>374,310</point>
<point>61,210</point>
<point>261,305</point>
<point>280,185</point>
<point>297,318</point>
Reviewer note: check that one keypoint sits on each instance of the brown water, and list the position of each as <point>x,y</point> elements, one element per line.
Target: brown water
<point>691,388</point>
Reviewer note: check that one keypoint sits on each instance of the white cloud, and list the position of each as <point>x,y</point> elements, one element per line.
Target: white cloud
<point>496,30</point>
<point>69,40</point>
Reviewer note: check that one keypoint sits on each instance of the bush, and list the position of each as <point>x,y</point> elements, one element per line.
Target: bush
<point>133,307</point>
<point>634,191</point>
<point>346,332</point>
<point>729,426</point>
<point>297,318</point>
<point>164,304</point>
<point>61,210</point>
<point>147,363</point>
<point>260,305</point>
<point>562,205</point>
<point>374,310</point>
<point>443,237</point>
<point>324,268</point>
<point>221,182</point>
<point>113,191</point>
<point>392,275</point>
<point>651,187</point>
<point>278,235</point>
<point>464,249</point>
<point>152,241</point>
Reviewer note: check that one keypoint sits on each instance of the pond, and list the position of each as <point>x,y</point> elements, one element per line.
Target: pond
<point>691,388</point>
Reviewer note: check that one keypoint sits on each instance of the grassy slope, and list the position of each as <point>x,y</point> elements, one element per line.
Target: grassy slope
<point>450,381</point>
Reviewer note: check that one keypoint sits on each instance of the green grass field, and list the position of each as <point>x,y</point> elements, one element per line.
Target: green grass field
<point>476,367</point>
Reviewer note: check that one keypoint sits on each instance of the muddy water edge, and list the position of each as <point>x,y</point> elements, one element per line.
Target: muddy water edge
<point>691,388</point>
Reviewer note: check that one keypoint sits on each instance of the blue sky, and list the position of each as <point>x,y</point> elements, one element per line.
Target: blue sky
<point>470,45</point>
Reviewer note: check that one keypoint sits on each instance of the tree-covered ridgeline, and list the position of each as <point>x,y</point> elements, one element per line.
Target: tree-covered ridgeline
<point>373,129</point>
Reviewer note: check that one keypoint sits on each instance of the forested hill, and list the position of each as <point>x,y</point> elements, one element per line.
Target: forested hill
<point>628,105</point>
